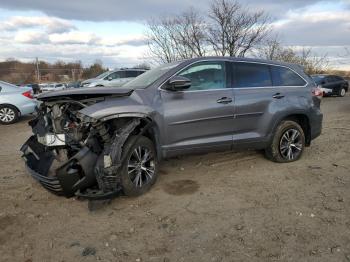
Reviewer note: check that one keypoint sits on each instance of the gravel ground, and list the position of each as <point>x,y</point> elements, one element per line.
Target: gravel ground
<point>215,207</point>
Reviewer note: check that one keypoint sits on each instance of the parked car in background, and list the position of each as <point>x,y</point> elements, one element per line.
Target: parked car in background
<point>34,87</point>
<point>53,87</point>
<point>193,106</point>
<point>331,84</point>
<point>15,102</point>
<point>114,78</point>
<point>75,84</point>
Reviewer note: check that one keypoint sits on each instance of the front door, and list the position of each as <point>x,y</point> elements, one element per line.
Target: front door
<point>201,117</point>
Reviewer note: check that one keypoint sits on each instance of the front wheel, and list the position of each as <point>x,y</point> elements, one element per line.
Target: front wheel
<point>140,168</point>
<point>288,143</point>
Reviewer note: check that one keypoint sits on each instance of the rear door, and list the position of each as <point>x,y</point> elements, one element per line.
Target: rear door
<point>339,83</point>
<point>261,91</point>
<point>329,83</point>
<point>200,118</point>
<point>253,92</point>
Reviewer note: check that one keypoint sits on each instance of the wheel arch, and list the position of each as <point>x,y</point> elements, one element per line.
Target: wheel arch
<point>152,129</point>
<point>6,104</point>
<point>302,119</point>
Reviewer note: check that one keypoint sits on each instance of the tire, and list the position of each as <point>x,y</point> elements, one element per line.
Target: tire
<point>342,92</point>
<point>8,114</point>
<point>283,143</point>
<point>129,179</point>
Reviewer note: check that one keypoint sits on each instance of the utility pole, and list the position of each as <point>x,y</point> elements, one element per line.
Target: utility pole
<point>37,70</point>
<point>73,74</point>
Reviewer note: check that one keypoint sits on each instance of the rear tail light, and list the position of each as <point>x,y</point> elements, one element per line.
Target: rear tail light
<point>28,94</point>
<point>318,92</point>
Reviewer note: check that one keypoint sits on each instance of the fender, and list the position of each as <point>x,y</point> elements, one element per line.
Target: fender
<point>280,117</point>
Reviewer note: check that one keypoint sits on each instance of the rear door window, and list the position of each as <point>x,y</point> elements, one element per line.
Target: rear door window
<point>283,76</point>
<point>329,79</point>
<point>251,75</point>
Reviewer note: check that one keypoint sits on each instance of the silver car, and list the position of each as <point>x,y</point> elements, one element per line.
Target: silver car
<point>115,78</point>
<point>15,102</point>
<point>53,87</point>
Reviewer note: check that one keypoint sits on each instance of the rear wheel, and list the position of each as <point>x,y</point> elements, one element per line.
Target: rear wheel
<point>342,92</point>
<point>288,143</point>
<point>8,114</point>
<point>140,168</point>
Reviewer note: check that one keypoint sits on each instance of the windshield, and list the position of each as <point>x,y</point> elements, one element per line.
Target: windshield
<point>150,76</point>
<point>317,78</point>
<point>103,75</point>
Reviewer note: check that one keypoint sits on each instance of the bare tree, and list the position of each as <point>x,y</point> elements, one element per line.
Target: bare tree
<point>272,49</point>
<point>229,30</point>
<point>178,37</point>
<point>190,30</point>
<point>233,30</point>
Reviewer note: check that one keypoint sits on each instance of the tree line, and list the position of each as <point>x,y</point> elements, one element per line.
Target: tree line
<point>18,72</point>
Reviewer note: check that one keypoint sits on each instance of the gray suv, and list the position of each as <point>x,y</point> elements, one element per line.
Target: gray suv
<point>103,141</point>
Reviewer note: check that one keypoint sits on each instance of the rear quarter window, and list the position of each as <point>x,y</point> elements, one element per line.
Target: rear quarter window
<point>283,76</point>
<point>251,75</point>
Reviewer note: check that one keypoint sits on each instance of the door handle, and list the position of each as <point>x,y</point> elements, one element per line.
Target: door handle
<point>224,100</point>
<point>278,96</point>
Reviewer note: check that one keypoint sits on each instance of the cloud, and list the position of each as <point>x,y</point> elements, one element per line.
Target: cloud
<point>74,38</point>
<point>111,10</point>
<point>131,40</point>
<point>59,30</point>
<point>112,57</point>
<point>33,38</point>
<point>49,24</point>
<point>323,28</point>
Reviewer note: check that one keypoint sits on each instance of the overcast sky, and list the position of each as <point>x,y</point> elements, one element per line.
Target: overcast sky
<point>112,30</point>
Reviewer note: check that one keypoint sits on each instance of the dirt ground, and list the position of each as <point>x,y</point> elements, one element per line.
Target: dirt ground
<point>215,207</point>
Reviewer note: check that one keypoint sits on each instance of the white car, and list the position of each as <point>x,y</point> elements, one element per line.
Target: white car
<point>53,87</point>
<point>113,78</point>
<point>15,102</point>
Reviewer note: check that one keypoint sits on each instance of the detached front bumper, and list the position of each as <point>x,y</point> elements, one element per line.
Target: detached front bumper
<point>71,176</point>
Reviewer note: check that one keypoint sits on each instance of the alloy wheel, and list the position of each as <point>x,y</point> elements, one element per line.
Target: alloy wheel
<point>291,144</point>
<point>7,114</point>
<point>141,166</point>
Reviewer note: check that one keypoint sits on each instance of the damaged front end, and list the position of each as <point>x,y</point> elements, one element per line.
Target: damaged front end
<point>71,154</point>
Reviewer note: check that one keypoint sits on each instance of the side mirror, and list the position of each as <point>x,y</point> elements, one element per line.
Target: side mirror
<point>323,82</point>
<point>110,78</point>
<point>178,83</point>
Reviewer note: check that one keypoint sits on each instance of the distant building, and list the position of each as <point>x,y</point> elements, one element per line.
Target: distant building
<point>48,77</point>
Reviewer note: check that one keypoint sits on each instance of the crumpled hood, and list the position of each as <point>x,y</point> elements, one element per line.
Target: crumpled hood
<point>84,93</point>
